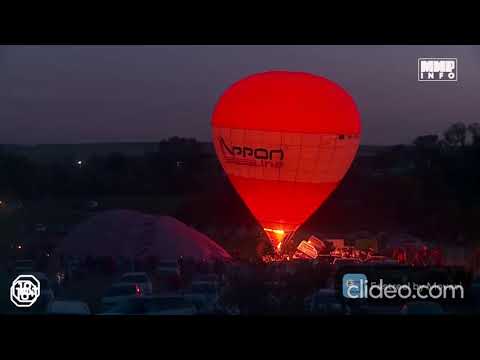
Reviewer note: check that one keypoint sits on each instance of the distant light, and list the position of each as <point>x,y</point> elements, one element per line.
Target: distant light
<point>79,162</point>
<point>19,247</point>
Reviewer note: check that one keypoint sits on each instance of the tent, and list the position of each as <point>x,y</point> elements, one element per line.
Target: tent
<point>131,234</point>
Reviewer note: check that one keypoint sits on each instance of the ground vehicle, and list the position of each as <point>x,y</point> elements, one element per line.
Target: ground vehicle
<point>212,278</point>
<point>204,295</point>
<point>139,278</point>
<point>167,268</point>
<point>167,273</point>
<point>376,309</point>
<point>153,305</point>
<point>121,292</point>
<point>345,261</point>
<point>92,204</point>
<point>475,289</point>
<point>347,251</point>
<point>380,260</point>
<point>68,308</point>
<point>24,266</point>
<point>325,301</point>
<point>422,308</point>
<point>324,259</point>
<point>40,227</point>
<point>476,285</point>
<point>47,294</point>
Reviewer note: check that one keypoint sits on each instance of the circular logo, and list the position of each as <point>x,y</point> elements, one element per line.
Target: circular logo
<point>25,291</point>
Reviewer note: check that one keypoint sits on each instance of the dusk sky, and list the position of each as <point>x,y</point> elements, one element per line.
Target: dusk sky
<point>75,94</point>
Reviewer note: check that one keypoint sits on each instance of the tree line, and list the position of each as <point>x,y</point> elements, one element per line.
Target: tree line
<point>436,195</point>
<point>173,169</point>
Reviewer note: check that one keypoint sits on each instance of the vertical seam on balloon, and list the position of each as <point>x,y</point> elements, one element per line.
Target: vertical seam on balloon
<point>230,137</point>
<point>247,175</point>
<point>281,146</point>
<point>299,159</point>
<point>331,157</point>
<point>298,165</point>
<point>263,167</point>
<point>315,167</point>
<point>320,171</point>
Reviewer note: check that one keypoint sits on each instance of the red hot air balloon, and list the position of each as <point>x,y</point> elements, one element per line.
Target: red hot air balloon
<point>285,140</point>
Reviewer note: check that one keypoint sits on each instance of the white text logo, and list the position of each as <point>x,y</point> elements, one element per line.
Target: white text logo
<point>357,286</point>
<point>25,290</point>
<point>437,69</point>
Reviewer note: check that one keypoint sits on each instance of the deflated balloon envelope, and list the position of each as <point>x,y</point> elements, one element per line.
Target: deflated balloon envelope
<point>285,140</point>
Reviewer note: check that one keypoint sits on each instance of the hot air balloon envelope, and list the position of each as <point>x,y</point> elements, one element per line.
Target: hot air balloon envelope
<point>285,140</point>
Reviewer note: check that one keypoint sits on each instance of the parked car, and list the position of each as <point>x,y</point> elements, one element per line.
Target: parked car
<point>212,278</point>
<point>168,275</point>
<point>24,267</point>
<point>47,295</point>
<point>380,260</point>
<point>204,295</point>
<point>92,204</point>
<point>68,308</point>
<point>475,289</point>
<point>153,305</point>
<point>476,284</point>
<point>345,261</point>
<point>139,278</point>
<point>324,259</point>
<point>121,292</point>
<point>422,308</point>
<point>40,227</point>
<point>377,309</point>
<point>167,268</point>
<point>325,302</point>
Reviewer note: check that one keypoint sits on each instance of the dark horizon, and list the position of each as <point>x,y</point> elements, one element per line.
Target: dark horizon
<point>155,142</point>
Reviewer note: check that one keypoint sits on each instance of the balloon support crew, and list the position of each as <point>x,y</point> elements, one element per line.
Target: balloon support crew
<point>278,238</point>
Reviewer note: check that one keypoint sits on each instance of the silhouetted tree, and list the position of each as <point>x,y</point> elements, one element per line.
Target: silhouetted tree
<point>456,134</point>
<point>474,130</point>
<point>426,141</point>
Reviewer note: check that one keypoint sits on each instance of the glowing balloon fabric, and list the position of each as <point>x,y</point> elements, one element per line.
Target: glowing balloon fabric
<point>285,140</point>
